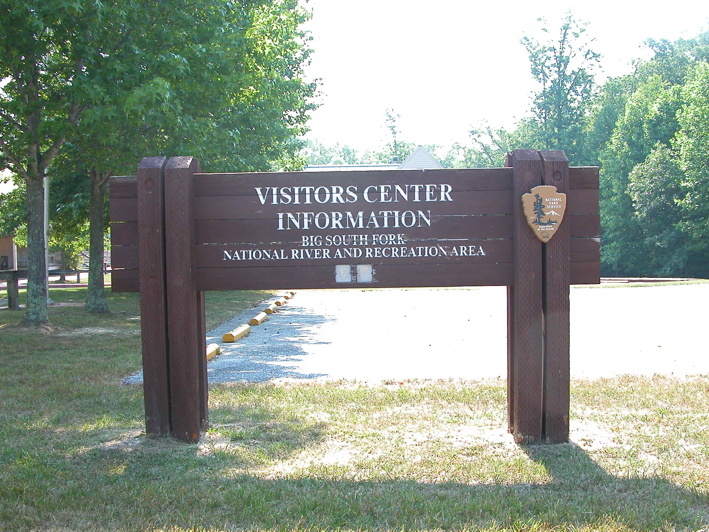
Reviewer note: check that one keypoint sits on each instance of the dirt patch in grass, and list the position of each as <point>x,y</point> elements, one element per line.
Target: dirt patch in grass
<point>94,331</point>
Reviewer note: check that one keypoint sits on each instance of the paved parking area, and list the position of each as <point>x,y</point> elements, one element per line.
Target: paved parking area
<point>396,335</point>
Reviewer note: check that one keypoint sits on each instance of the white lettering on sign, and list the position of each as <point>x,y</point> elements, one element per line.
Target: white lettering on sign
<point>350,220</point>
<point>368,252</point>
<point>308,195</point>
<point>402,214</point>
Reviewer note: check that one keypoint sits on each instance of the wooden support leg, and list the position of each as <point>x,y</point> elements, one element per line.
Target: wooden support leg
<point>185,325</point>
<point>153,309</point>
<point>525,345</point>
<point>557,275</point>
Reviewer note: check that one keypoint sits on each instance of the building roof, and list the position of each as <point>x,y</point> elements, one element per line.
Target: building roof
<point>420,159</point>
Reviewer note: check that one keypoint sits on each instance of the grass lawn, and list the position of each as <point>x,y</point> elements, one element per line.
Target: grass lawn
<point>344,455</point>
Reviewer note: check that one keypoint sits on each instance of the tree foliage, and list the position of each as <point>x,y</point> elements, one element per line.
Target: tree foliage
<point>563,66</point>
<point>91,87</point>
<point>654,163</point>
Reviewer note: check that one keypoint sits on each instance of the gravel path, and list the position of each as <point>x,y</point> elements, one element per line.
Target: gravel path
<point>383,335</point>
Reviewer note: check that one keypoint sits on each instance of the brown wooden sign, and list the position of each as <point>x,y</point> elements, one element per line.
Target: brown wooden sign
<point>177,232</point>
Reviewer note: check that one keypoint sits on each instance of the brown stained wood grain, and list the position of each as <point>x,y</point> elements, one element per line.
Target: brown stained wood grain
<point>556,281</point>
<point>585,267</point>
<point>127,280</point>
<point>526,323</point>
<point>226,207</point>
<point>153,303</point>
<point>426,252</point>
<point>124,233</point>
<point>123,210</point>
<point>202,369</point>
<point>186,347</point>
<point>123,187</point>
<point>582,201</point>
<point>124,257</point>
<point>583,177</point>
<point>225,231</point>
<point>585,250</point>
<point>318,277</point>
<point>584,225</point>
<point>242,184</point>
<point>442,227</point>
<point>585,272</point>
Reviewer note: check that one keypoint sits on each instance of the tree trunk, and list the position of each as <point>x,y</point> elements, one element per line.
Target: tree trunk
<point>36,308</point>
<point>96,302</point>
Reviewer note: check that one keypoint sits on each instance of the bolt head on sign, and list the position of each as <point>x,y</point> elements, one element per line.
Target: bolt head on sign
<point>544,209</point>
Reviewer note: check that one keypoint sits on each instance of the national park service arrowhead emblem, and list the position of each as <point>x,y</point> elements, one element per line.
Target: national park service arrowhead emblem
<point>544,209</point>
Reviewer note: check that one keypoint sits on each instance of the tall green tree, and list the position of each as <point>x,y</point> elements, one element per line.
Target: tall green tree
<point>692,145</point>
<point>41,67</point>
<point>563,64</point>
<point>648,119</point>
<point>646,128</point>
<point>655,187</point>
<point>96,85</point>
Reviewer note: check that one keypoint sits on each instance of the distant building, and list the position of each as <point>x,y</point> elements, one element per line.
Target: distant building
<point>420,159</point>
<point>8,249</point>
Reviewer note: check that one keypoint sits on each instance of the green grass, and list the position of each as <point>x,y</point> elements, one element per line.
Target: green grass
<point>343,455</point>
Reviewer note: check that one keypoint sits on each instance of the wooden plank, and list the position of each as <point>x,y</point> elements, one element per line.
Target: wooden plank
<point>585,272</point>
<point>123,187</point>
<point>242,184</point>
<point>186,348</point>
<point>583,177</point>
<point>258,279</point>
<point>226,207</point>
<point>443,227</point>
<point>490,202</point>
<point>124,257</point>
<point>582,201</point>
<point>423,252</point>
<point>526,323</point>
<point>585,250</point>
<point>123,210</point>
<point>556,282</point>
<point>202,368</point>
<point>153,309</point>
<point>584,262</point>
<point>124,233</point>
<point>585,225</point>
<point>392,276</point>
<point>124,281</point>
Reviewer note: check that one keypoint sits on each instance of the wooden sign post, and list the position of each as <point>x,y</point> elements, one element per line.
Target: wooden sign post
<point>177,232</point>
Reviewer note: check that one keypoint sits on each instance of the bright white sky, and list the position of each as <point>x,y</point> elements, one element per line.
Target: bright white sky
<point>446,65</point>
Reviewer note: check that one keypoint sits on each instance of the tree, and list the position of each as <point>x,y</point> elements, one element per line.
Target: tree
<point>692,145</point>
<point>655,187</point>
<point>317,153</point>
<point>564,67</point>
<point>397,150</point>
<point>40,68</point>
<point>648,119</point>
<point>232,71</point>
<point>489,146</point>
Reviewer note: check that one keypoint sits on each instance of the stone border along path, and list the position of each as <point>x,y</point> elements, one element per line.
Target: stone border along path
<point>396,335</point>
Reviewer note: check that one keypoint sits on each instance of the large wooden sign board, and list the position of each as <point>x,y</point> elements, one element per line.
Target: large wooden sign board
<point>177,232</point>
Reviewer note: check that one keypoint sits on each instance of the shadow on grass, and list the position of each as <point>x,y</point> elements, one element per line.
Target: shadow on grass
<point>137,484</point>
<point>580,494</point>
